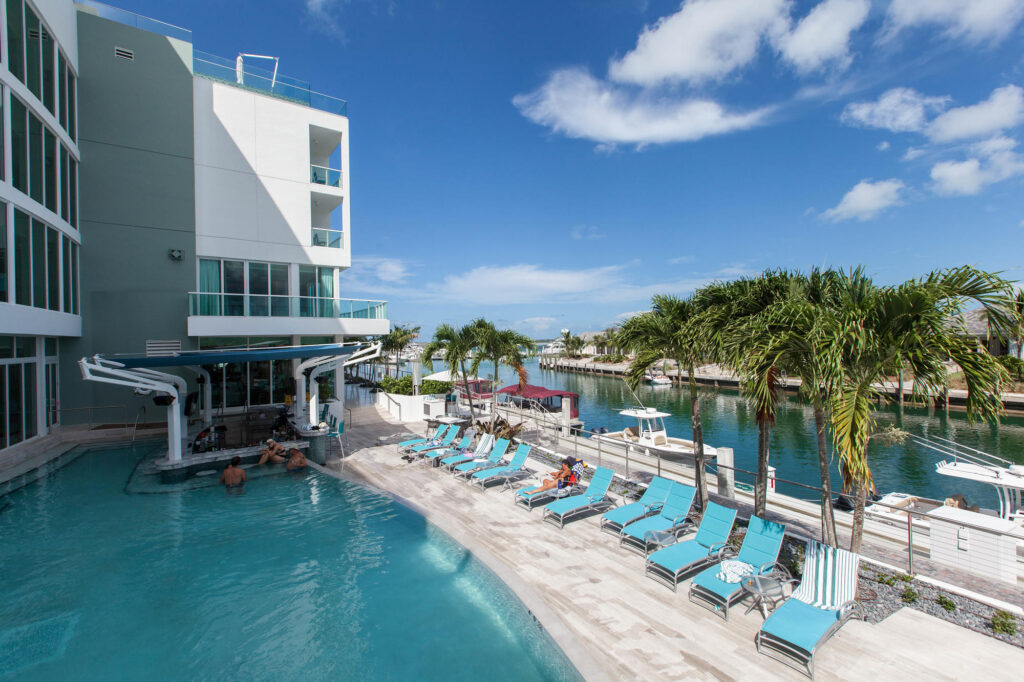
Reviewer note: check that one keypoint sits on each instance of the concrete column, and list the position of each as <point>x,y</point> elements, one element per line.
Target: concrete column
<point>726,476</point>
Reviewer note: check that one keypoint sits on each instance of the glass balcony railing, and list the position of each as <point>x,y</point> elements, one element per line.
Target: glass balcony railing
<point>137,20</point>
<point>332,239</point>
<point>254,78</point>
<point>258,305</point>
<point>321,175</point>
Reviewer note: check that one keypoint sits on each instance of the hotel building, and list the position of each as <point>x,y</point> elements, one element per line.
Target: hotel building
<point>156,199</point>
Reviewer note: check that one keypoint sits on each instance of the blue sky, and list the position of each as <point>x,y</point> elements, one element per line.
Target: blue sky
<point>552,164</point>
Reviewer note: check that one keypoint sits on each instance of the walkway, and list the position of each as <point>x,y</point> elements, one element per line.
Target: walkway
<point>594,599</point>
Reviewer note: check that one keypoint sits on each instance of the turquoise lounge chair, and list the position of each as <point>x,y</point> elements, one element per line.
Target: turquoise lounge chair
<point>657,490</point>
<point>483,447</point>
<point>513,471</point>
<point>436,444</point>
<point>492,461</point>
<point>760,550</point>
<point>593,498</point>
<point>438,432</point>
<point>821,605</point>
<point>670,564</point>
<point>672,517</point>
<point>461,446</point>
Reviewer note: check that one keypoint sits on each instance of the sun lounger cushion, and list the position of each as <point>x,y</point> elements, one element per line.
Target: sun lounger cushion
<point>595,492</point>
<point>799,623</point>
<point>680,555</point>
<point>655,494</point>
<point>830,576</point>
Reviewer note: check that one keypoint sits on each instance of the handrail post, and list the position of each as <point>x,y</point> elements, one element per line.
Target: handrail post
<point>598,452</point>
<point>910,543</point>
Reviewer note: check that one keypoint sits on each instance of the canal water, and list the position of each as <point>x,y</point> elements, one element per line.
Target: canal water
<point>728,420</point>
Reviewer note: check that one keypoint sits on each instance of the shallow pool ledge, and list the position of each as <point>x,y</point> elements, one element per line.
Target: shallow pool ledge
<point>577,652</point>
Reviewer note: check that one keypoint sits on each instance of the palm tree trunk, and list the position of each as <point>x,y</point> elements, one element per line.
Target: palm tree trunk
<point>828,521</point>
<point>494,397</point>
<point>700,475</point>
<point>764,430</point>
<point>469,393</point>
<point>859,502</point>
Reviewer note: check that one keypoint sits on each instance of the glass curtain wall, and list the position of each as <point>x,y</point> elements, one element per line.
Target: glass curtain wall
<point>18,368</point>
<point>241,384</point>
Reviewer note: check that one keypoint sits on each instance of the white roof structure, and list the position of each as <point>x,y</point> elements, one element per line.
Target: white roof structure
<point>644,413</point>
<point>446,375</point>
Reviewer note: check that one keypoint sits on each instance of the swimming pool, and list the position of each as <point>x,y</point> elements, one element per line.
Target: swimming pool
<point>302,576</point>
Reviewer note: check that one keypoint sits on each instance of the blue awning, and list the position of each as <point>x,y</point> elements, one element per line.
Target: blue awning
<point>215,357</point>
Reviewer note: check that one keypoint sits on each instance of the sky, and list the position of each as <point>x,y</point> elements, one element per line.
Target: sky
<point>552,164</point>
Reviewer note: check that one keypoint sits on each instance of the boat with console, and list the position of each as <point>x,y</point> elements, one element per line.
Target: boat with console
<point>651,434</point>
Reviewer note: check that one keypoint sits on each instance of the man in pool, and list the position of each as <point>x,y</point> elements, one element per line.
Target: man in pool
<point>296,460</point>
<point>234,475</point>
<point>274,452</point>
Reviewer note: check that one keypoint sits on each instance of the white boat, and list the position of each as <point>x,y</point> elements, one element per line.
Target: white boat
<point>892,508</point>
<point>650,434</point>
<point>974,465</point>
<point>661,380</point>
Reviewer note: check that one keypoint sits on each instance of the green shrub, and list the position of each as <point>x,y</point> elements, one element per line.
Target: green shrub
<point>1003,622</point>
<point>905,577</point>
<point>885,579</point>
<point>909,595</point>
<point>945,602</point>
<point>1014,366</point>
<point>403,386</point>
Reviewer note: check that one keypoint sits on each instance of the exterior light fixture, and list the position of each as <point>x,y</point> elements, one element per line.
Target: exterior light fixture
<point>175,254</point>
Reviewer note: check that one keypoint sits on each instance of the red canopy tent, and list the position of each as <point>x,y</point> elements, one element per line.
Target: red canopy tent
<point>546,397</point>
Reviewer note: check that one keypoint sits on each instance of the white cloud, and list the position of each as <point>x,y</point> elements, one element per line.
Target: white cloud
<point>704,40</point>
<point>912,153</point>
<point>577,105</point>
<point>586,232</point>
<point>622,317</point>
<point>994,160</point>
<point>1002,110</point>
<point>536,325</point>
<point>823,36</point>
<point>899,110</point>
<point>866,200</point>
<point>883,146</point>
<point>973,20</point>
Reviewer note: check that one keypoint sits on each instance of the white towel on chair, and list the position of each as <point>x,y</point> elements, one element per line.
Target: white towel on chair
<point>733,571</point>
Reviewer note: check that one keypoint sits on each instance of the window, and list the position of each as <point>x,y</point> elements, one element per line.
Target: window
<point>29,370</point>
<point>32,52</point>
<point>64,186</point>
<point>22,259</point>
<point>62,86</point>
<point>74,278</point>
<point>279,289</point>
<point>53,268</point>
<point>259,285</point>
<point>50,170</point>
<point>72,109</point>
<point>15,39</point>
<point>209,283</point>
<point>66,252</point>
<point>242,288</point>
<point>316,287</point>
<point>38,264</point>
<point>49,76</point>
<point>3,406</point>
<point>35,158</point>
<point>234,287</point>
<point>3,256</point>
<point>15,415</point>
<point>73,192</point>
<point>19,145</point>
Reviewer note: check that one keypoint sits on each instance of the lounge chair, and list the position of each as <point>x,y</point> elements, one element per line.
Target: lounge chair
<point>437,444</point>
<point>612,521</point>
<point>670,564</point>
<point>461,446</point>
<point>759,551</point>
<point>821,605</point>
<point>483,447</point>
<point>595,497</point>
<point>492,461</point>
<point>530,500</point>
<point>438,432</point>
<point>511,472</point>
<point>672,517</point>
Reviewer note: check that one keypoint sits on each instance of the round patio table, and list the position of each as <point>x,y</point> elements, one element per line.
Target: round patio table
<point>766,592</point>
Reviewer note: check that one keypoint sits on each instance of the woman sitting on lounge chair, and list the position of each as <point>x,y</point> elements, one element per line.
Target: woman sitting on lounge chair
<point>564,477</point>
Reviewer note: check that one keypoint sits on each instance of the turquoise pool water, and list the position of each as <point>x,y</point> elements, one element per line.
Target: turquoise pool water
<point>300,577</point>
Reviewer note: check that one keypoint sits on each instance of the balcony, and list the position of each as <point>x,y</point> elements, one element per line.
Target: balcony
<point>250,77</point>
<point>219,314</point>
<point>332,239</point>
<point>321,175</point>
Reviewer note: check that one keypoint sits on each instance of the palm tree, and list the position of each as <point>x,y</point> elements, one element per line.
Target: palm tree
<point>668,330</point>
<point>600,342</point>
<point>917,325</point>
<point>397,340</point>
<point>502,347</point>
<point>458,345</point>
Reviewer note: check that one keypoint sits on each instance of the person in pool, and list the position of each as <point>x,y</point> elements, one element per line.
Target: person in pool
<point>274,452</point>
<point>296,460</point>
<point>234,475</point>
<point>556,479</point>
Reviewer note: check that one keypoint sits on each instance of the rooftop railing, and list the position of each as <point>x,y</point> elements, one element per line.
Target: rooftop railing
<point>260,80</point>
<point>325,236</point>
<point>137,20</point>
<point>202,304</point>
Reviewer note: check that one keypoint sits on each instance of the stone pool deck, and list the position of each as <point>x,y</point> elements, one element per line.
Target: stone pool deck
<point>614,623</point>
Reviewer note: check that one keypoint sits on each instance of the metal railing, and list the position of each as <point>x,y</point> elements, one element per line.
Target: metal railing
<point>141,414</point>
<point>205,304</point>
<point>325,236</point>
<point>259,80</point>
<point>322,175</point>
<point>137,20</point>
<point>91,411</point>
<point>906,537</point>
